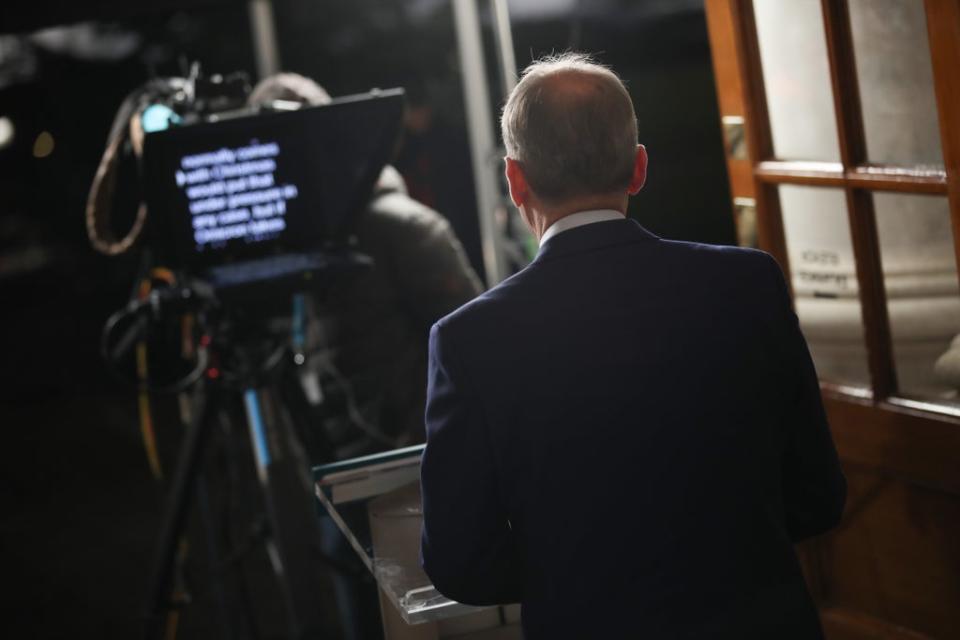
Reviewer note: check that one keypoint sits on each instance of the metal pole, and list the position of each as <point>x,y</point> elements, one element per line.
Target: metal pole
<point>476,98</point>
<point>264,33</point>
<point>501,29</point>
<point>522,246</point>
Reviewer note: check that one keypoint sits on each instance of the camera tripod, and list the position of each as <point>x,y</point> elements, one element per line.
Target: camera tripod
<point>291,532</point>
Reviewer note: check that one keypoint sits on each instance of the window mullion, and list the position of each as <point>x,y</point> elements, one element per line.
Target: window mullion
<point>770,230</point>
<point>862,219</point>
<point>943,29</point>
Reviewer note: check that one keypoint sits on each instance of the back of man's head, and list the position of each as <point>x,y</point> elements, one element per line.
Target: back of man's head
<point>288,86</point>
<point>570,124</point>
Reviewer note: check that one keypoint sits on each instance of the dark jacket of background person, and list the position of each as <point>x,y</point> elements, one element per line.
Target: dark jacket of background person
<point>366,336</point>
<point>628,437</point>
<point>371,331</point>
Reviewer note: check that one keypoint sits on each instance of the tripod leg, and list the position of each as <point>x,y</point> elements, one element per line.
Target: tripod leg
<point>175,515</point>
<point>227,619</point>
<point>288,491</point>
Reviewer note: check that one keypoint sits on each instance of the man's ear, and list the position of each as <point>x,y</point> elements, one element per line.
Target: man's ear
<point>639,171</point>
<point>517,181</point>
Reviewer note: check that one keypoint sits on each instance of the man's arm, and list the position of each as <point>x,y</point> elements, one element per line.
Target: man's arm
<point>814,488</point>
<point>467,547</point>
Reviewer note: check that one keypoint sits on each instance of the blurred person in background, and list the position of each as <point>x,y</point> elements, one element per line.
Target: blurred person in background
<point>367,337</point>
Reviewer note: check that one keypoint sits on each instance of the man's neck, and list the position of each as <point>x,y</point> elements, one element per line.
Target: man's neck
<point>580,219</point>
<point>540,216</point>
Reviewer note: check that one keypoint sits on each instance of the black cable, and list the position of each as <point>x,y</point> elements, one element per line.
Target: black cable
<point>141,311</point>
<point>321,357</point>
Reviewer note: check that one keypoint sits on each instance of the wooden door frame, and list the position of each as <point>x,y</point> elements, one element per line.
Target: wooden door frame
<point>875,429</point>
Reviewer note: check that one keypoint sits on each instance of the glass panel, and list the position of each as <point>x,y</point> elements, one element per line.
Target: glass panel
<point>923,296</point>
<point>375,503</point>
<point>825,281</point>
<point>796,77</point>
<point>896,81</point>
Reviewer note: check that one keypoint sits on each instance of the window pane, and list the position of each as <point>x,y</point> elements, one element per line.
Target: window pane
<point>896,81</point>
<point>825,281</point>
<point>796,77</point>
<point>923,296</point>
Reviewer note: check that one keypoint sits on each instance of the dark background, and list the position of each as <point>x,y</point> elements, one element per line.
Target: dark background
<point>80,510</point>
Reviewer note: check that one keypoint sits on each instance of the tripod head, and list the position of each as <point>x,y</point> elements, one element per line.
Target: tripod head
<point>236,345</point>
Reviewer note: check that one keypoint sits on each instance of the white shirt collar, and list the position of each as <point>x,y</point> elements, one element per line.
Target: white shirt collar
<point>579,219</point>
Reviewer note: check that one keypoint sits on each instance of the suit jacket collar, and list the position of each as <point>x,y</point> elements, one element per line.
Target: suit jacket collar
<point>593,236</point>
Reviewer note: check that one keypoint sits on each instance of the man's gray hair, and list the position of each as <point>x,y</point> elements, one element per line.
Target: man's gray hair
<point>289,86</point>
<point>570,124</point>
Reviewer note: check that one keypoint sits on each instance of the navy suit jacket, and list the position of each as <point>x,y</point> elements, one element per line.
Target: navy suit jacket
<point>627,437</point>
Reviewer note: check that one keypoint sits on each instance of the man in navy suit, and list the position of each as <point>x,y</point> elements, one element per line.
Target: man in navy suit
<point>626,437</point>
